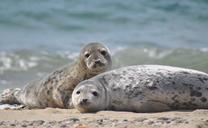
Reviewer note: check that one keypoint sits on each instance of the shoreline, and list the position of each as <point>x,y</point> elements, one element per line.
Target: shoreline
<point>54,117</point>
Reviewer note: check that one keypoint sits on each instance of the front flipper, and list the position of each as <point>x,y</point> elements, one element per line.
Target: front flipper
<point>9,96</point>
<point>153,106</point>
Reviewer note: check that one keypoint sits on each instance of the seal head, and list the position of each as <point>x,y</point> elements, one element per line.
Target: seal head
<point>95,58</point>
<point>90,96</point>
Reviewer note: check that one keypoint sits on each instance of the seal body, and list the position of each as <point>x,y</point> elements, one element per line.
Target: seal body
<point>55,90</point>
<point>143,88</point>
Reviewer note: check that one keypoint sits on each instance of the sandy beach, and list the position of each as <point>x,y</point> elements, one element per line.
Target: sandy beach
<point>64,118</point>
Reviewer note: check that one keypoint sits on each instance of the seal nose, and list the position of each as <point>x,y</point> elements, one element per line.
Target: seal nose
<point>84,100</point>
<point>97,61</point>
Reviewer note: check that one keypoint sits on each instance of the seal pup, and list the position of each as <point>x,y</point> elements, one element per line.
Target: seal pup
<point>143,88</point>
<point>55,90</point>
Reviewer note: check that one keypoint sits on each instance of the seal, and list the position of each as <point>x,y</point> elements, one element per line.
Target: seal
<point>143,88</point>
<point>55,90</point>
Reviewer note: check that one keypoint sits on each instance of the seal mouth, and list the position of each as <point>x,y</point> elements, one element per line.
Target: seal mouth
<point>96,68</point>
<point>84,102</point>
<point>97,63</point>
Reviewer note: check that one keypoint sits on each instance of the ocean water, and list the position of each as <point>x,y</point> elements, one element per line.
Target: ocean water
<point>38,36</point>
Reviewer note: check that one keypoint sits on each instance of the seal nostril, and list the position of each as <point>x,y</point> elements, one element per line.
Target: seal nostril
<point>97,61</point>
<point>84,100</point>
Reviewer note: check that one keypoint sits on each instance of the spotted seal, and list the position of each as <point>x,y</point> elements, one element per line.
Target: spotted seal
<point>143,88</point>
<point>55,90</point>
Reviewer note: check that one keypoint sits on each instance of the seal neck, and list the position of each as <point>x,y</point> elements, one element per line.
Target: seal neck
<point>105,87</point>
<point>81,71</point>
<point>86,74</point>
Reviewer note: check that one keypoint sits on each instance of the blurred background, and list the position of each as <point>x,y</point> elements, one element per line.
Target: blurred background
<point>38,36</point>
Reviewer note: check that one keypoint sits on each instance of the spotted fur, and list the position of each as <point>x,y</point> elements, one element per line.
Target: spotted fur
<point>144,88</point>
<point>55,90</point>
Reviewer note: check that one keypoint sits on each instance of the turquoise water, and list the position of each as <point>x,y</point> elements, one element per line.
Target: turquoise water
<point>37,36</point>
<point>65,25</point>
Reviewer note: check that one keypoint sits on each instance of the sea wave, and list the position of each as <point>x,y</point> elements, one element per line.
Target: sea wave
<point>182,57</point>
<point>21,66</point>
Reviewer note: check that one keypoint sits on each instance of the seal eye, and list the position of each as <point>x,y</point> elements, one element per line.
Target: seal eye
<point>103,52</point>
<point>78,92</point>
<point>95,93</point>
<point>87,55</point>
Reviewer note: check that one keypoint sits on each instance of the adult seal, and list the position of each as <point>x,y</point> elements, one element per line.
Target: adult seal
<point>144,88</point>
<point>55,90</point>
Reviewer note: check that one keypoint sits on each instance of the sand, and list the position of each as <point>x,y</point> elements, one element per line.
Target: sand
<point>65,118</point>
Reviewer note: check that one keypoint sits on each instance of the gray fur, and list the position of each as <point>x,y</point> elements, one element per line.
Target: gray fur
<point>144,88</point>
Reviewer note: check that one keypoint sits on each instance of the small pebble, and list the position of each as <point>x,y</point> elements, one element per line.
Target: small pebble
<point>63,126</point>
<point>140,119</point>
<point>12,124</point>
<point>38,122</point>
<point>163,118</point>
<point>150,122</point>
<point>74,119</point>
<point>2,123</point>
<point>100,121</point>
<point>125,120</point>
<point>24,125</point>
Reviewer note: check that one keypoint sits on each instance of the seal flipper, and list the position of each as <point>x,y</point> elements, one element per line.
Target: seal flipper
<point>153,106</point>
<point>8,96</point>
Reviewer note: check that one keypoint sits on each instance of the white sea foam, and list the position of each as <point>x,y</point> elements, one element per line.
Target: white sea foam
<point>204,49</point>
<point>8,106</point>
<point>14,62</point>
<point>5,62</point>
<point>34,58</point>
<point>25,65</point>
<point>19,67</point>
<point>72,55</point>
<point>114,51</point>
<point>156,54</point>
<point>67,54</point>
